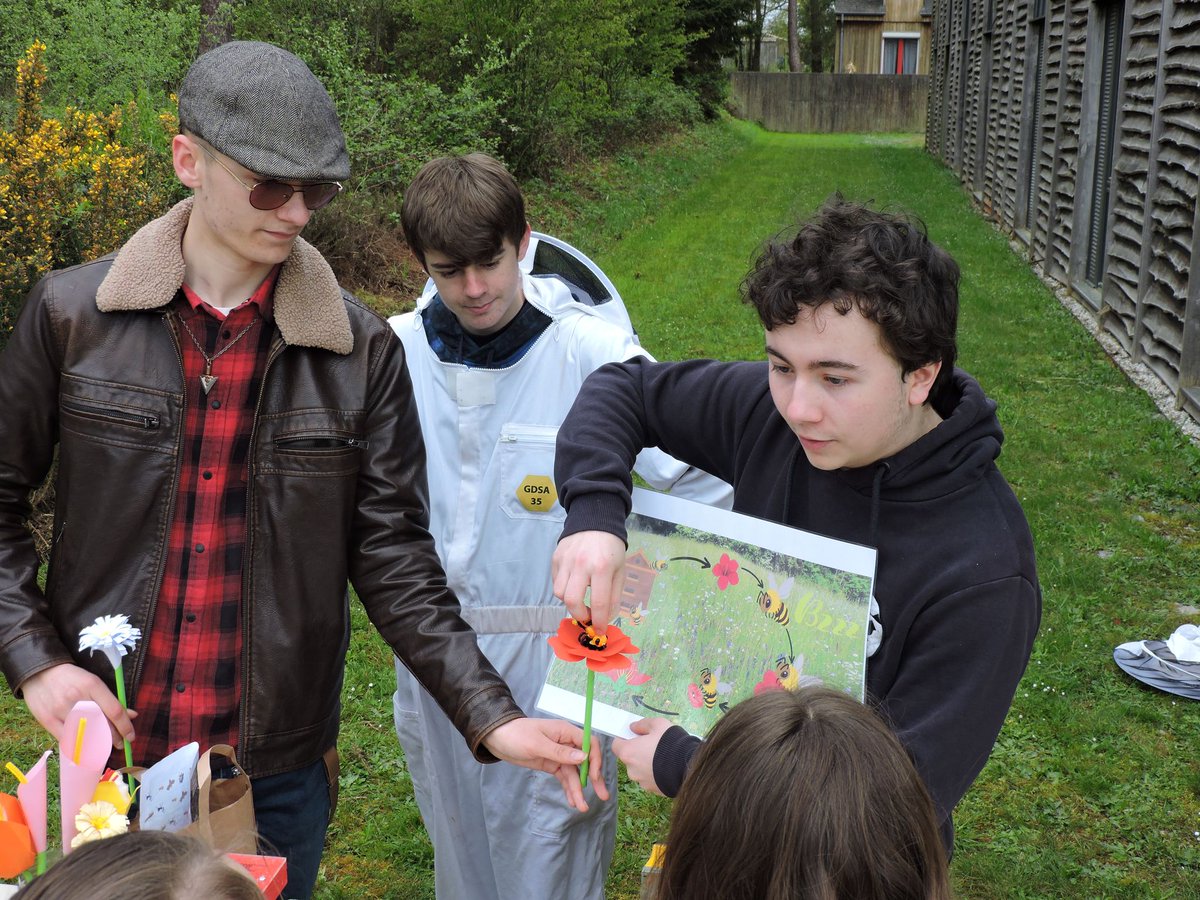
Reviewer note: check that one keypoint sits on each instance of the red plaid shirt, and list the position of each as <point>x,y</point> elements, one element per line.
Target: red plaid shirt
<point>190,689</point>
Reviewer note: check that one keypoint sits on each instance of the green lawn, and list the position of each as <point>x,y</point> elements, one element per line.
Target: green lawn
<point>1094,787</point>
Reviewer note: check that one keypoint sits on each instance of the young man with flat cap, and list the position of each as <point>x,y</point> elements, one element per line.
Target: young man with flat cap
<point>237,439</point>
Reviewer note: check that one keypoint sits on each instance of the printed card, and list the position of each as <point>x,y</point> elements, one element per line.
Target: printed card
<point>167,790</point>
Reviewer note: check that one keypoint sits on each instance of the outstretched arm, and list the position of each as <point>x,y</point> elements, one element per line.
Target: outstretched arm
<point>395,568</point>
<point>695,411</point>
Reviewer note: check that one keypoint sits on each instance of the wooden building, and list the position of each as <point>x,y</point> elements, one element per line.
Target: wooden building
<point>1076,124</point>
<point>882,37</point>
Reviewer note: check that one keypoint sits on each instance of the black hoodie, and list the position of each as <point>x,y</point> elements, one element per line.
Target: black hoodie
<point>956,582</point>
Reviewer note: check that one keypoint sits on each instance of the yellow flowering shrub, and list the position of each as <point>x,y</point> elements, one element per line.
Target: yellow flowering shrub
<point>71,188</point>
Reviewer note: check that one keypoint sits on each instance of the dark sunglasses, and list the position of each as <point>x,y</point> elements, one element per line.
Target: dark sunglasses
<point>271,194</point>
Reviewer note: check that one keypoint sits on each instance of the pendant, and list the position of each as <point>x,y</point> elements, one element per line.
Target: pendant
<point>207,382</point>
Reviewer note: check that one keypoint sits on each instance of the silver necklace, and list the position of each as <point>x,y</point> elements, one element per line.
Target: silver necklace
<point>208,379</point>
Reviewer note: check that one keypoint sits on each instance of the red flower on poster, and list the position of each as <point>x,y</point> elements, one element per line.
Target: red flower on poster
<point>726,571</point>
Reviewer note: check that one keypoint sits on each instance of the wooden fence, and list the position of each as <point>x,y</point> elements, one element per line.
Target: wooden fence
<point>822,103</point>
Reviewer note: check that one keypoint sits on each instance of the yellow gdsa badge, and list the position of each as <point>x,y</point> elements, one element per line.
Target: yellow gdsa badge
<point>537,493</point>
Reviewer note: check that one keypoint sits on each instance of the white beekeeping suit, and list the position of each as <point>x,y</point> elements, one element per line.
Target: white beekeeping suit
<point>500,831</point>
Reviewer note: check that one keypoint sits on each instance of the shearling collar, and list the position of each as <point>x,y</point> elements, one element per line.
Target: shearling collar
<point>148,271</point>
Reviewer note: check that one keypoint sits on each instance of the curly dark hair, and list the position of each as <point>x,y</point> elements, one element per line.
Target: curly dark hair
<point>882,264</point>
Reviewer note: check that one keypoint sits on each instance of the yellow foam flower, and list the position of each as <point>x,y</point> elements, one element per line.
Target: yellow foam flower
<point>115,791</point>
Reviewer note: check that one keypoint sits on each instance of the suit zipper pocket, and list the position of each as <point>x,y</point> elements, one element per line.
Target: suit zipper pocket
<point>533,434</point>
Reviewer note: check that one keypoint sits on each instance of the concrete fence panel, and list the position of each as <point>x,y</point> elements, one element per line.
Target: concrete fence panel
<point>820,103</point>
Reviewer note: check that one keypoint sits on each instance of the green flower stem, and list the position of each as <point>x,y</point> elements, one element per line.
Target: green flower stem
<point>587,728</point>
<point>120,672</point>
<point>41,862</point>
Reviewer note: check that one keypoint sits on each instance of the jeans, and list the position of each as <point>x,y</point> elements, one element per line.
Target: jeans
<point>292,813</point>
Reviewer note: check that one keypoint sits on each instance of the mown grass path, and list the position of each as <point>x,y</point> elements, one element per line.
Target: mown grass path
<point>1092,789</point>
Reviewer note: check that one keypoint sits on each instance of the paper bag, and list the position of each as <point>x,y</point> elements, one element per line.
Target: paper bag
<point>225,807</point>
<point>652,872</point>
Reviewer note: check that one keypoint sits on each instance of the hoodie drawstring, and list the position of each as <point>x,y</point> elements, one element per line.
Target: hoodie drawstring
<point>876,485</point>
<point>787,488</point>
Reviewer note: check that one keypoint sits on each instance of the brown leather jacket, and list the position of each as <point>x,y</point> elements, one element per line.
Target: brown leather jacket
<point>336,493</point>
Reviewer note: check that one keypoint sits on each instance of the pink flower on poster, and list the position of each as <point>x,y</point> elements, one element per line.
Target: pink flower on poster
<point>726,571</point>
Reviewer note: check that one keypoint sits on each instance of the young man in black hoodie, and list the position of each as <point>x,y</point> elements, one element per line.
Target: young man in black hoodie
<point>858,427</point>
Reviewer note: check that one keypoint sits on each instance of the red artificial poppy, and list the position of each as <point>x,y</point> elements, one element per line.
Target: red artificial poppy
<point>726,571</point>
<point>602,652</point>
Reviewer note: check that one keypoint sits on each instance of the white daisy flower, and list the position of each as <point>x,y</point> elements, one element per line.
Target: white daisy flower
<point>113,635</point>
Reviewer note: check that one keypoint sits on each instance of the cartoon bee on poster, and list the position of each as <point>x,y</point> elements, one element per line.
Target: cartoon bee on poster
<point>709,690</point>
<point>790,673</point>
<point>771,600</point>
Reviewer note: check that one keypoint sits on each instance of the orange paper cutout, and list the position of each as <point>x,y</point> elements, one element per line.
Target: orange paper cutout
<point>16,843</point>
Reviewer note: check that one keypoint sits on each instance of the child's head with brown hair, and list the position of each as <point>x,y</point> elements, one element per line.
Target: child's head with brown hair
<point>144,865</point>
<point>464,207</point>
<point>804,794</point>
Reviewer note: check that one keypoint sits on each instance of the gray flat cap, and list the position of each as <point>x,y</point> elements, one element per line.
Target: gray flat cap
<point>262,107</point>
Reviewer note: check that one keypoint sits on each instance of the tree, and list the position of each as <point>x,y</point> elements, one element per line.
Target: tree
<point>569,76</point>
<point>793,41</point>
<point>815,34</point>
<point>216,24</point>
<point>714,30</point>
<point>820,35</point>
<point>760,14</point>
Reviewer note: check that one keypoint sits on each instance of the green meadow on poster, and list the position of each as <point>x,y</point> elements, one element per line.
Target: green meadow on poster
<point>720,604</point>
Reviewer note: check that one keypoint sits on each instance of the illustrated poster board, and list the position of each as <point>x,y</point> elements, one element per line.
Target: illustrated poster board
<point>722,605</point>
